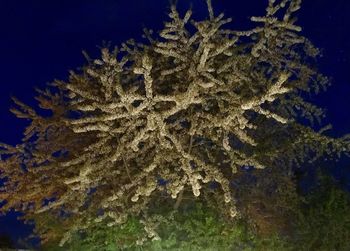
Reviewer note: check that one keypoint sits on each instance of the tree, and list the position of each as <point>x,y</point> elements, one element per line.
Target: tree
<point>169,119</point>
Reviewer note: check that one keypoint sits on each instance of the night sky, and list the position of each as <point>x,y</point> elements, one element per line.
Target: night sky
<point>42,40</point>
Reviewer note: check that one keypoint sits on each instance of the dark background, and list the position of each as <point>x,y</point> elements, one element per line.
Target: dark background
<point>42,40</point>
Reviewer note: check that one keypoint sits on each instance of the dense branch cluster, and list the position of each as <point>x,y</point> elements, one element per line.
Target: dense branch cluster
<point>189,108</point>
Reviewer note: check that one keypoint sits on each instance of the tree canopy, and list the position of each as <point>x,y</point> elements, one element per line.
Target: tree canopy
<point>179,117</point>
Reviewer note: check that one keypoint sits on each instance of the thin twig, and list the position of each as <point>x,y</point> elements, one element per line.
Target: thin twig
<point>127,169</point>
<point>210,9</point>
<point>180,196</point>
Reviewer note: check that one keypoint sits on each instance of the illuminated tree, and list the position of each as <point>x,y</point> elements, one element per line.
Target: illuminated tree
<point>169,118</point>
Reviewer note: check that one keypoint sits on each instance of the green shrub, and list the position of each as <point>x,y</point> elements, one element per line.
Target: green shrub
<point>324,219</point>
<point>195,227</point>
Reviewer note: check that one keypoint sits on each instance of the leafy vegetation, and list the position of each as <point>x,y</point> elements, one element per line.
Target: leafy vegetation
<point>196,228</point>
<point>321,221</point>
<point>324,218</point>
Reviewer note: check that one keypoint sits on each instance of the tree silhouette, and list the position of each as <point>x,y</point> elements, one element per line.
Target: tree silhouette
<point>6,241</point>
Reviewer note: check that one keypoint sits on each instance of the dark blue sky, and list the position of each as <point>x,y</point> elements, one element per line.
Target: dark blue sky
<point>41,40</point>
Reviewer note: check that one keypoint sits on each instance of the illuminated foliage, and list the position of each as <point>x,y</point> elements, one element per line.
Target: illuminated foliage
<point>169,119</point>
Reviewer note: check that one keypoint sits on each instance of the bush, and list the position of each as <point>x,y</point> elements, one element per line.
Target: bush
<point>324,219</point>
<point>194,227</point>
